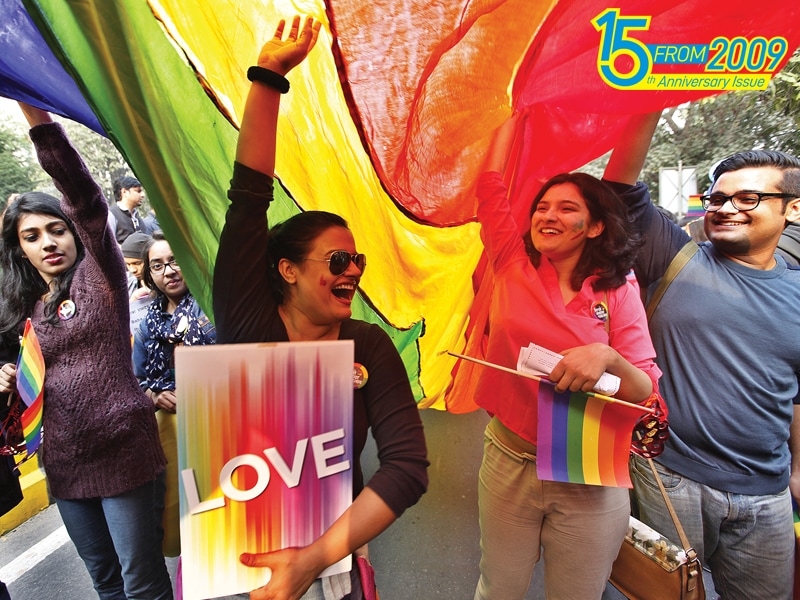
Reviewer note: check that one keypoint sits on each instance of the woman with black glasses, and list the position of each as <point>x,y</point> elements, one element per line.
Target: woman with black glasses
<point>173,318</point>
<point>296,282</point>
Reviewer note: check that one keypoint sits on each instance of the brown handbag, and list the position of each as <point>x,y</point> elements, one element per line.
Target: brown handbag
<point>650,567</point>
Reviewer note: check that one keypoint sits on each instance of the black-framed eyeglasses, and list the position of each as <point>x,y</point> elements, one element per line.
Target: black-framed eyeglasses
<point>158,267</point>
<point>742,201</point>
<point>339,261</point>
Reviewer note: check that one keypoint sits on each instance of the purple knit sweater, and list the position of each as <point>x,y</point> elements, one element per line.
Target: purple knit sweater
<point>100,436</point>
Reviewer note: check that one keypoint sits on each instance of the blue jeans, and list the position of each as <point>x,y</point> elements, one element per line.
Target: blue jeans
<point>746,541</point>
<point>118,540</point>
<point>578,529</point>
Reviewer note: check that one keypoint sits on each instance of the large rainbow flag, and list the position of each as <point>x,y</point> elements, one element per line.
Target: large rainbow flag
<point>387,123</point>
<point>30,385</point>
<point>583,438</point>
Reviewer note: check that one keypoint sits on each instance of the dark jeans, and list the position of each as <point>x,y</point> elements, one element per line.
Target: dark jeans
<point>119,542</point>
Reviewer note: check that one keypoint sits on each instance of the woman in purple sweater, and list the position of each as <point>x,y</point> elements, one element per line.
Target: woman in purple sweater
<point>62,268</point>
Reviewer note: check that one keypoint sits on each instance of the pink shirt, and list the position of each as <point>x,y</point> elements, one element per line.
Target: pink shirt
<point>527,307</point>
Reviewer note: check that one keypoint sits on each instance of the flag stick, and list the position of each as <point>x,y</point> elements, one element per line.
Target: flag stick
<point>537,378</point>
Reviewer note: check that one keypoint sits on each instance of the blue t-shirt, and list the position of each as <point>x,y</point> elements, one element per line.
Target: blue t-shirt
<point>727,338</point>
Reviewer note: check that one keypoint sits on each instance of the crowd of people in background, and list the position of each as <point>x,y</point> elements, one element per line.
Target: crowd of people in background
<point>727,368</point>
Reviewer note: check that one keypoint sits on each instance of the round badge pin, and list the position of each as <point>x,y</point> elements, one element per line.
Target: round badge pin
<point>66,310</point>
<point>600,311</point>
<point>183,325</point>
<point>360,376</point>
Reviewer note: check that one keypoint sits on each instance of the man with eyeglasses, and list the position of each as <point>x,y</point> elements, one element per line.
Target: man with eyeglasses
<point>727,337</point>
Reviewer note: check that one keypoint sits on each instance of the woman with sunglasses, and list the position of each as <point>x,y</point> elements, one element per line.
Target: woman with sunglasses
<point>562,285</point>
<point>63,269</point>
<point>296,282</point>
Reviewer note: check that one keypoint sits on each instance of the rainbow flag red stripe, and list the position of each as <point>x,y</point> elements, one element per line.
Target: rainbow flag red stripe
<point>583,439</point>
<point>30,385</point>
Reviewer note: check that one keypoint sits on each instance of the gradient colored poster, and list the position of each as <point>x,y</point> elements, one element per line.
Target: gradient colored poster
<point>264,452</point>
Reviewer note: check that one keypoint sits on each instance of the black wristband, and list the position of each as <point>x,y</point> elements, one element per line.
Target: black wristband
<point>269,78</point>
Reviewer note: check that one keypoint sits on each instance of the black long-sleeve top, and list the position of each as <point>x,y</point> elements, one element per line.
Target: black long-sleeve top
<point>245,311</point>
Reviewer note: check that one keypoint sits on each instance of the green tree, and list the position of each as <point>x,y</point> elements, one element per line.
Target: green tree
<point>711,129</point>
<point>787,86</point>
<point>18,169</point>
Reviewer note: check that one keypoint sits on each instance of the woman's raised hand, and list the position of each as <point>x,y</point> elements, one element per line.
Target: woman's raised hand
<point>281,55</point>
<point>35,116</point>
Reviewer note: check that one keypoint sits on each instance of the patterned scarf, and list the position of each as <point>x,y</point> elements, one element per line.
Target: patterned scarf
<point>165,332</point>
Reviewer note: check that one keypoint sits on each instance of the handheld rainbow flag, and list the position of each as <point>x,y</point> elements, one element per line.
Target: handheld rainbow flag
<point>30,385</point>
<point>583,438</point>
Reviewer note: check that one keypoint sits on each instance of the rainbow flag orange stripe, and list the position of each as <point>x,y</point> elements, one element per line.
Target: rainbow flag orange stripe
<point>30,385</point>
<point>583,439</point>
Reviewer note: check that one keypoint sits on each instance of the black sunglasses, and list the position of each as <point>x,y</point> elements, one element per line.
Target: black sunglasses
<point>339,261</point>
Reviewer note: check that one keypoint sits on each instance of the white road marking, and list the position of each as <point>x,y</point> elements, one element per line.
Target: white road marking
<point>34,555</point>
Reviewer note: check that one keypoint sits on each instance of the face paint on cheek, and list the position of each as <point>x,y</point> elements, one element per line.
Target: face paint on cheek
<point>577,229</point>
<point>322,281</point>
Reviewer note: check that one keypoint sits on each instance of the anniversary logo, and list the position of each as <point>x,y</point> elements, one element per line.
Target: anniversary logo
<point>738,63</point>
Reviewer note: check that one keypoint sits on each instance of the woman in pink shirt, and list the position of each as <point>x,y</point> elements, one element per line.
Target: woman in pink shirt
<point>563,285</point>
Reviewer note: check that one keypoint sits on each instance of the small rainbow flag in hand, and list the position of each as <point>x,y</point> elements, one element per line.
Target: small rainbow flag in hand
<point>30,385</point>
<point>583,439</point>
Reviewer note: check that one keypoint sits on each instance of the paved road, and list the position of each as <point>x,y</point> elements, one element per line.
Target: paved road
<point>431,552</point>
